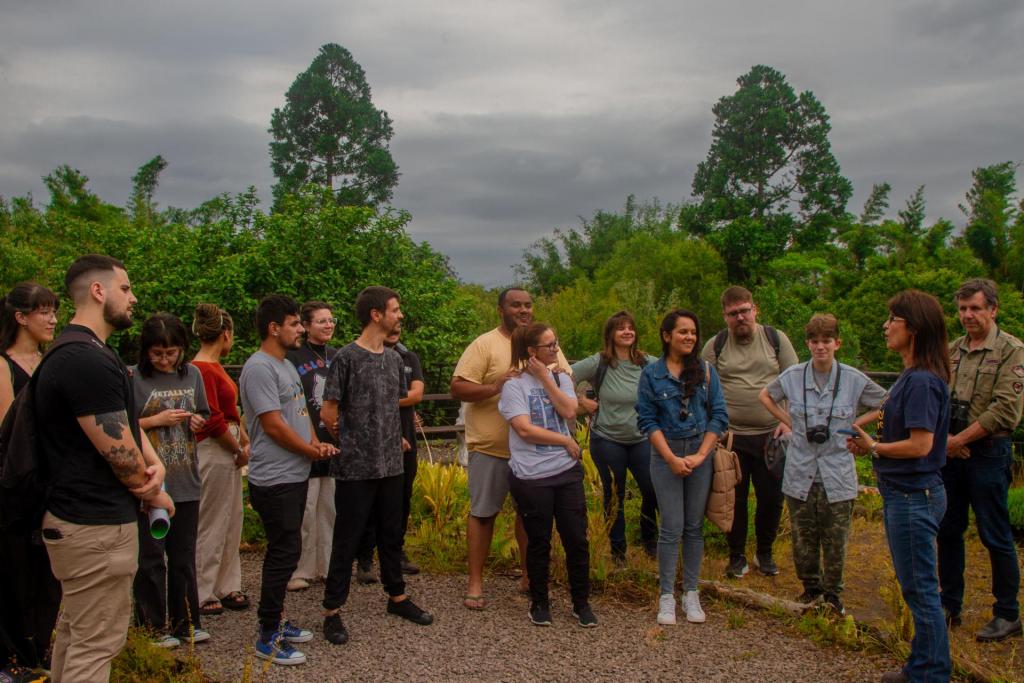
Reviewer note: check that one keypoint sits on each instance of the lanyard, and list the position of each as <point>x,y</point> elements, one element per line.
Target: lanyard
<point>835,392</point>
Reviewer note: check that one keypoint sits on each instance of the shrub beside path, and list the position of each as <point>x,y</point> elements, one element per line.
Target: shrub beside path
<point>500,644</point>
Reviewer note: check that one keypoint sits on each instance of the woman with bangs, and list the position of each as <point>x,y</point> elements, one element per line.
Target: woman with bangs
<point>681,408</point>
<point>29,593</point>
<point>616,443</point>
<point>546,478</point>
<point>170,404</point>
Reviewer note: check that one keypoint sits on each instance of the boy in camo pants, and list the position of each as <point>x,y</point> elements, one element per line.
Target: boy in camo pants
<point>820,479</point>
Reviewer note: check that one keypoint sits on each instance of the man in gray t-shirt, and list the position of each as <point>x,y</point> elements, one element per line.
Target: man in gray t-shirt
<point>283,445</point>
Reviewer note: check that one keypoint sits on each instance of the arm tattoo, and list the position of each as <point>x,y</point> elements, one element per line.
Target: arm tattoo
<point>124,460</point>
<point>113,424</point>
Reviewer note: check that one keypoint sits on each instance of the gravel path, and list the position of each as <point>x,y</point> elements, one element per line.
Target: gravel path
<point>500,644</point>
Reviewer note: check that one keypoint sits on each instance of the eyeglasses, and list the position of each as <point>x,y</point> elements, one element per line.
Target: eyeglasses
<point>326,321</point>
<point>169,354</point>
<point>895,318</point>
<point>553,346</point>
<point>744,312</point>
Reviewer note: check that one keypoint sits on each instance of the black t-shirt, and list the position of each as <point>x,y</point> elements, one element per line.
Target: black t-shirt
<point>413,371</point>
<point>83,379</point>
<point>19,378</point>
<point>367,387</point>
<point>311,361</point>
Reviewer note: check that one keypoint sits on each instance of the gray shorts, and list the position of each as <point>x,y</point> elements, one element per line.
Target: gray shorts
<point>488,484</point>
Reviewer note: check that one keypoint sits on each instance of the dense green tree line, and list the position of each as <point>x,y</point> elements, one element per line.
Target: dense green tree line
<point>229,252</point>
<point>769,211</point>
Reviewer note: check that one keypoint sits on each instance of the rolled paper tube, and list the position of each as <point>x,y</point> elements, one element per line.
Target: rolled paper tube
<point>159,523</point>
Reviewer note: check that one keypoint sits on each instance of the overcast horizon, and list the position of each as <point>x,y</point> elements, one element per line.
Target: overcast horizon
<point>510,119</point>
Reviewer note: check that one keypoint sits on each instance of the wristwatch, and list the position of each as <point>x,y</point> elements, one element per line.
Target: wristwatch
<point>874,449</point>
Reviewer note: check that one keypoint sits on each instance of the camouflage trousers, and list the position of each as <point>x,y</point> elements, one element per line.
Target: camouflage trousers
<point>820,532</point>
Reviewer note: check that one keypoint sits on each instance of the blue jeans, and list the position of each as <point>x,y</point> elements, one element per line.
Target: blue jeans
<point>980,482</point>
<point>613,459</point>
<point>911,526</point>
<point>682,502</point>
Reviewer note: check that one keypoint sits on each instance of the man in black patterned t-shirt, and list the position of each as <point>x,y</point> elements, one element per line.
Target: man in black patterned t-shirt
<point>364,384</point>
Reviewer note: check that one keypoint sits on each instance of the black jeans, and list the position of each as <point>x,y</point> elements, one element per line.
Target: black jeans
<point>357,503</point>
<point>161,586</point>
<point>613,459</point>
<point>368,542</point>
<point>280,508</point>
<point>29,600</point>
<point>767,490</point>
<point>980,482</point>
<point>561,499</point>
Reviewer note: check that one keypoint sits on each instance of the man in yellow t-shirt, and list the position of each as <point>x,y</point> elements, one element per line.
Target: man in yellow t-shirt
<point>477,381</point>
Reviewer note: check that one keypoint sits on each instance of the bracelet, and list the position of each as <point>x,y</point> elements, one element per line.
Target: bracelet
<point>874,449</point>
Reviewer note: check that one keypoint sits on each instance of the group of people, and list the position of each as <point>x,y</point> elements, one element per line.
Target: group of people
<point>328,436</point>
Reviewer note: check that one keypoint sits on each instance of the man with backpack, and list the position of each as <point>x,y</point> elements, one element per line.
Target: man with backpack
<point>748,356</point>
<point>97,466</point>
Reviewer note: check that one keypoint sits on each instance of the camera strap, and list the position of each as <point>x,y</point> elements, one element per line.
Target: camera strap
<point>835,391</point>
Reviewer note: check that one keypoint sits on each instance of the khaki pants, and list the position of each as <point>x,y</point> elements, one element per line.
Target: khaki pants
<point>95,566</point>
<point>218,566</point>
<point>317,529</point>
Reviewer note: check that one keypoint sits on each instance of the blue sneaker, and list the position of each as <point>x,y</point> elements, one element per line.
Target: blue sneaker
<point>271,646</point>
<point>294,634</point>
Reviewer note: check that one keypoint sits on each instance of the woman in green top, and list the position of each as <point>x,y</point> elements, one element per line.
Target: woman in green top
<point>615,442</point>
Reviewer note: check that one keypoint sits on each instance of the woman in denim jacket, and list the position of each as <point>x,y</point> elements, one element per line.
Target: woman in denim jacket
<point>673,401</point>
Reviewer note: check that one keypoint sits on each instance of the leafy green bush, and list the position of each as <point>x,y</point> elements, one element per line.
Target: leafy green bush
<point>1016,504</point>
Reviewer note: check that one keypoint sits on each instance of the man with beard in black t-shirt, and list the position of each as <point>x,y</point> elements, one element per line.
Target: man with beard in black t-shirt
<point>364,384</point>
<point>407,412</point>
<point>101,466</point>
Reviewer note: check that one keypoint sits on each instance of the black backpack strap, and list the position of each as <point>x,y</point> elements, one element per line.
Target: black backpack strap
<point>772,335</point>
<point>720,340</point>
<point>602,370</point>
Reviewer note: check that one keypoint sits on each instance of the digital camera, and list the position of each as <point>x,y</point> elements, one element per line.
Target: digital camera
<point>818,434</point>
<point>958,415</point>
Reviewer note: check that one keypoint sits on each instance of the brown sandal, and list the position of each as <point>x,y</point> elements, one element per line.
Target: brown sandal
<point>211,608</point>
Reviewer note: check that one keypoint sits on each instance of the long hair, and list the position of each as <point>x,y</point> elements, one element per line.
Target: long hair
<point>209,321</point>
<point>522,339</point>
<point>693,372</point>
<point>925,320</point>
<point>25,298</point>
<point>163,329</point>
<point>611,326</point>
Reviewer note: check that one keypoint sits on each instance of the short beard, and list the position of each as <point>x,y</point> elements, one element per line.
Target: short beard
<point>119,321</point>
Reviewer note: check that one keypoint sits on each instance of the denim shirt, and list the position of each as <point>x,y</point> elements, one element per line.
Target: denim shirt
<point>660,399</point>
<point>830,460</point>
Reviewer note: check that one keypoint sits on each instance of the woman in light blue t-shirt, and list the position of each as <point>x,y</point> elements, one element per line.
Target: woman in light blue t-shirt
<point>546,479</point>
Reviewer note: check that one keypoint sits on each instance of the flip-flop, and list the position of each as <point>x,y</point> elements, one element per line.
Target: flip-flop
<point>476,603</point>
<point>211,608</point>
<point>235,601</point>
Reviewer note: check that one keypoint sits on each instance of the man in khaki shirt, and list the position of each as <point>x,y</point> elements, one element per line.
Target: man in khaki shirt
<point>987,391</point>
<point>747,362</point>
<point>481,372</point>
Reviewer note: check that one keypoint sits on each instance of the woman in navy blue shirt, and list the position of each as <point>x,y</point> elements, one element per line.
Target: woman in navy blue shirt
<point>908,454</point>
<point>674,398</point>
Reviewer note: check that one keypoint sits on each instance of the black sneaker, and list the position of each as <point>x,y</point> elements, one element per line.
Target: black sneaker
<point>407,565</point>
<point>364,572</point>
<point>738,567</point>
<point>407,609</point>
<point>540,614</point>
<point>334,630</point>
<point>809,596</point>
<point>584,614</point>
<point>833,602</point>
<point>766,565</point>
<point>998,629</point>
<point>952,620</point>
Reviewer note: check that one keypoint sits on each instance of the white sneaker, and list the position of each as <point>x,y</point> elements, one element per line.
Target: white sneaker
<point>667,609</point>
<point>168,642</point>
<point>297,585</point>
<point>691,603</point>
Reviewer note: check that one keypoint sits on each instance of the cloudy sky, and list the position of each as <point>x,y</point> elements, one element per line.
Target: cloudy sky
<point>511,118</point>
